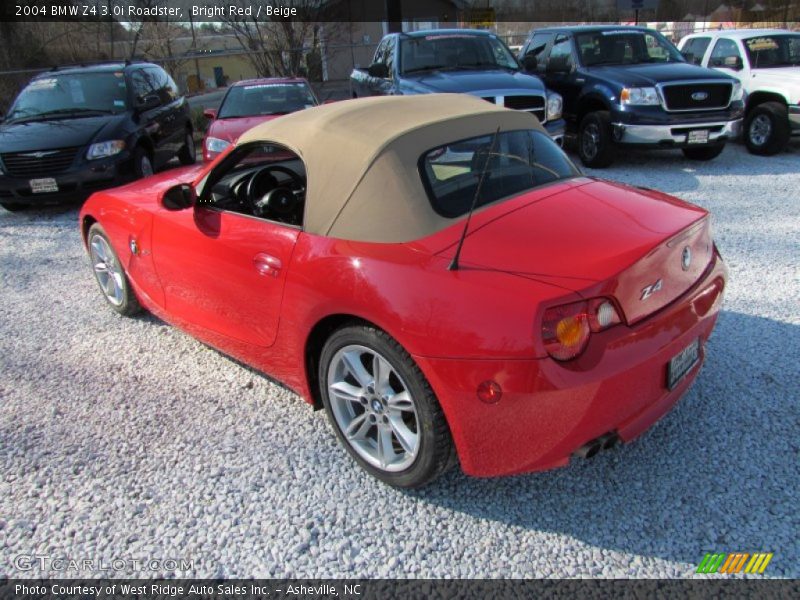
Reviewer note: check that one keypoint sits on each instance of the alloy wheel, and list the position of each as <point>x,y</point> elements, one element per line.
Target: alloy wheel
<point>590,141</point>
<point>373,408</point>
<point>107,270</point>
<point>760,130</point>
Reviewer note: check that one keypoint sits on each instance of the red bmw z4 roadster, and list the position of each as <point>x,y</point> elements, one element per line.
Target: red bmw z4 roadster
<point>431,270</point>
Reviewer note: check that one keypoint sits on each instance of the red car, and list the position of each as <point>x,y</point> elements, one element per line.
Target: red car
<point>252,102</point>
<point>562,314</point>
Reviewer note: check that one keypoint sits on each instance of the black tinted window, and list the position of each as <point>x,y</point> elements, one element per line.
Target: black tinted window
<point>697,48</point>
<point>520,160</point>
<point>561,53</point>
<point>537,45</point>
<point>725,54</point>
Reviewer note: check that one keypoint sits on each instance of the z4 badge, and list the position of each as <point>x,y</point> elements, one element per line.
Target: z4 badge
<point>650,290</point>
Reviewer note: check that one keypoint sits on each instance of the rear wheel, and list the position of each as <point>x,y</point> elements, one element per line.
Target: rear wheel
<point>766,128</point>
<point>382,409</point>
<point>595,146</point>
<point>109,273</point>
<point>704,153</point>
<point>188,153</point>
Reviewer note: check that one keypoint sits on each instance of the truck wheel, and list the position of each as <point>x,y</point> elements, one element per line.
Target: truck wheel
<point>704,153</point>
<point>766,129</point>
<point>595,146</point>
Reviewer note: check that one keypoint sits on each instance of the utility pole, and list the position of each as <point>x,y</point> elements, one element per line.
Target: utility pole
<point>194,51</point>
<point>394,16</point>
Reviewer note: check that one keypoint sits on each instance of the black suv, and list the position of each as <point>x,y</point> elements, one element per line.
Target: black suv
<point>630,86</point>
<point>74,130</point>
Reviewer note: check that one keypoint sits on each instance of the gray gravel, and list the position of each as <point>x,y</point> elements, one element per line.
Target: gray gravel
<point>124,439</point>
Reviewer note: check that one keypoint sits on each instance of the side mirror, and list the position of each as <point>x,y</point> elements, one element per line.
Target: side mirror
<point>210,113</point>
<point>529,62</point>
<point>149,102</point>
<point>179,197</point>
<point>378,70</point>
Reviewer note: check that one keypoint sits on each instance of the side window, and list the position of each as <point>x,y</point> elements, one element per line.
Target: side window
<point>141,84</point>
<point>655,51</point>
<point>537,46</point>
<point>380,53</point>
<point>725,54</point>
<point>389,55</point>
<point>560,54</point>
<point>261,180</point>
<point>697,47</point>
<point>163,84</point>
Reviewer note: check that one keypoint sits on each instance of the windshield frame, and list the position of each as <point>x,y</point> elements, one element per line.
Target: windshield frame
<point>436,201</point>
<point>674,55</point>
<point>750,58</point>
<point>490,39</point>
<point>307,87</point>
<point>68,111</point>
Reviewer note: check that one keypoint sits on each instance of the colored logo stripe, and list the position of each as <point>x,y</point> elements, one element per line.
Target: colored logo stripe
<point>734,562</point>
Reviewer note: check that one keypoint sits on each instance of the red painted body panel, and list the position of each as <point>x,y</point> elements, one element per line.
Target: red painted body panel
<point>579,238</point>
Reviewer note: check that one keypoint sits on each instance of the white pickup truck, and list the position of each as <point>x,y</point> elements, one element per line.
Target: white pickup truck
<point>767,62</point>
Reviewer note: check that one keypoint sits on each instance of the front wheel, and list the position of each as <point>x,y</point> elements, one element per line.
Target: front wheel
<point>109,273</point>
<point>704,153</point>
<point>766,128</point>
<point>142,163</point>
<point>382,408</point>
<point>188,152</point>
<point>595,146</point>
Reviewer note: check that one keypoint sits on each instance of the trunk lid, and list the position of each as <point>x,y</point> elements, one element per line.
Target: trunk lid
<point>599,238</point>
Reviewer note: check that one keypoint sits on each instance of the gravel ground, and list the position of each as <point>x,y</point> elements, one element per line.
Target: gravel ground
<point>126,439</point>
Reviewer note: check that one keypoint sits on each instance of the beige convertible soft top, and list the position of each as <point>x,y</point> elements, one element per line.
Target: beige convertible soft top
<point>361,159</point>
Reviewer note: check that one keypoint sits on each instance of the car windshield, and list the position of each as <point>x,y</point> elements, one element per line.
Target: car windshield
<point>454,51</point>
<point>260,99</point>
<point>70,95</point>
<point>625,47</point>
<point>517,161</point>
<point>767,51</point>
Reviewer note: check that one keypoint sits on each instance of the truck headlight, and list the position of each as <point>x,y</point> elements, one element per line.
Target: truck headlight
<point>737,93</point>
<point>216,145</point>
<point>640,96</point>
<point>554,105</point>
<point>104,149</point>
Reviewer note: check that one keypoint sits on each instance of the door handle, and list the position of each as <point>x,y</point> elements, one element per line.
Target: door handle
<point>266,264</point>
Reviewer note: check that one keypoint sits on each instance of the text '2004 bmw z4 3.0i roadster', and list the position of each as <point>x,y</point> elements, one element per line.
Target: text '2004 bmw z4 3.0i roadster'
<point>434,272</point>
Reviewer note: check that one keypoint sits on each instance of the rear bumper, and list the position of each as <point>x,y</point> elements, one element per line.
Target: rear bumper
<point>675,135</point>
<point>75,184</point>
<point>549,409</point>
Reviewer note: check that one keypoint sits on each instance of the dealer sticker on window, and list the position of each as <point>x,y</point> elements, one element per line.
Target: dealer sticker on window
<point>43,186</point>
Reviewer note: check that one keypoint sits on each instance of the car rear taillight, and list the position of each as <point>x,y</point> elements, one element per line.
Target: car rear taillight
<point>566,329</point>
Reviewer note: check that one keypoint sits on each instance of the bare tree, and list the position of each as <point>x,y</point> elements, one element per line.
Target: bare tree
<point>161,40</point>
<point>279,47</point>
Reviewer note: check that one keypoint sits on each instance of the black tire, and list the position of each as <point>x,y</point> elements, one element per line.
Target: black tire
<point>766,128</point>
<point>436,453</point>
<point>142,161</point>
<point>14,206</point>
<point>188,152</point>
<point>595,146</point>
<point>704,153</point>
<point>129,304</point>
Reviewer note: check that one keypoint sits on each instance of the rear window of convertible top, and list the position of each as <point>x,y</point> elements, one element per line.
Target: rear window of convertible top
<point>519,161</point>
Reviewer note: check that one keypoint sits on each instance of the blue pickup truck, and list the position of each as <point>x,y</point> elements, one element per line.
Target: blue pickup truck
<point>457,61</point>
<point>627,86</point>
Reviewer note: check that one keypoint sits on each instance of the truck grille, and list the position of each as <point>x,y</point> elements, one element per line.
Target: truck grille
<point>697,96</point>
<point>36,164</point>
<point>532,104</point>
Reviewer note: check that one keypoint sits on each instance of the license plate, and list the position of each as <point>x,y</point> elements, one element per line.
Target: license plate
<point>682,363</point>
<point>43,186</point>
<point>698,136</point>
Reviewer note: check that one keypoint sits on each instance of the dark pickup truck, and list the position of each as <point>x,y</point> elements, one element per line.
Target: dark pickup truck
<point>457,61</point>
<point>629,86</point>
